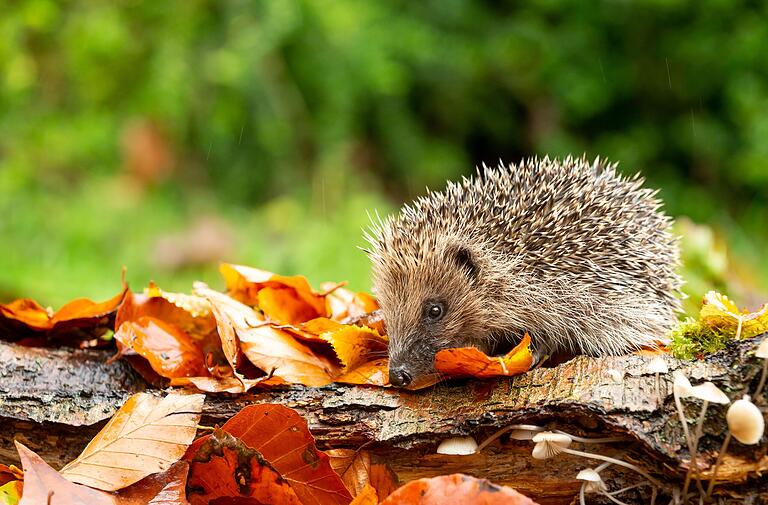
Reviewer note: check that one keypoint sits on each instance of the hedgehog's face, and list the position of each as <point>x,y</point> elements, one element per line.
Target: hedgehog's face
<point>430,304</point>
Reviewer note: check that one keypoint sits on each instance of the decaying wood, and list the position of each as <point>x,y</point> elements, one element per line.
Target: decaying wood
<point>55,400</point>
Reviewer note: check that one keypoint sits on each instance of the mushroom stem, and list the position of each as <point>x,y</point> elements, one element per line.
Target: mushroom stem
<point>683,421</point>
<point>497,434</point>
<point>762,380</point>
<point>581,494</point>
<point>693,468</point>
<point>720,455</point>
<point>615,461</point>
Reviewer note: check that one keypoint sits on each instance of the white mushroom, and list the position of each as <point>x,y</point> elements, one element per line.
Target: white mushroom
<point>707,392</point>
<point>745,424</point>
<point>682,389</point>
<point>549,445</point>
<point>519,432</point>
<point>593,483</point>
<point>457,446</point>
<point>657,366</point>
<point>745,421</point>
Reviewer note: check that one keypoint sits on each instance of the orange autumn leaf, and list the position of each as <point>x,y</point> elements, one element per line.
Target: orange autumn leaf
<point>81,315</point>
<point>470,361</point>
<point>272,350</point>
<point>244,284</point>
<point>147,435</point>
<point>222,466</point>
<point>456,489</point>
<point>353,345</point>
<point>372,373</point>
<point>282,304</point>
<point>358,472</point>
<point>44,485</point>
<point>10,473</point>
<point>343,304</point>
<point>170,351</point>
<point>282,437</point>
<point>368,496</point>
<point>165,488</point>
<point>226,384</point>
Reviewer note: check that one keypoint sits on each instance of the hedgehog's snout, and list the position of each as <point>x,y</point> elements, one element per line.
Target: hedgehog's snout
<point>399,376</point>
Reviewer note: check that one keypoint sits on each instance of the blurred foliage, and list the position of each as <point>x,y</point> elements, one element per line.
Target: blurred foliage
<point>123,122</point>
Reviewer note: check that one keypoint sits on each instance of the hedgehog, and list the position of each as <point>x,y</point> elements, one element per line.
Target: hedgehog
<point>571,252</point>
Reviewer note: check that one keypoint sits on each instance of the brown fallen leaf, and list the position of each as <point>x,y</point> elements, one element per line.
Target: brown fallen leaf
<point>274,351</point>
<point>342,303</point>
<point>456,489</point>
<point>353,345</point>
<point>166,488</point>
<point>147,435</point>
<point>170,351</point>
<point>244,284</point>
<point>471,362</point>
<point>282,437</point>
<point>81,318</point>
<point>222,466</point>
<point>367,496</point>
<point>358,472</point>
<point>10,473</point>
<point>44,485</point>
<point>372,373</point>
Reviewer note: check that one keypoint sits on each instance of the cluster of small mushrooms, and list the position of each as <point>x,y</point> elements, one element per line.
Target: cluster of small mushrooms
<point>744,418</point>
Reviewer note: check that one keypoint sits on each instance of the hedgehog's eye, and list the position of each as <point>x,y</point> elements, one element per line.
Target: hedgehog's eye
<point>435,311</point>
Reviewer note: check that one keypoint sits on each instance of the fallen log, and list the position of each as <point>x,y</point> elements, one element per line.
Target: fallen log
<point>56,400</point>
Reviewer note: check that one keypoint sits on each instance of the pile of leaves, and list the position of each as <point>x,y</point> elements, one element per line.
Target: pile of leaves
<point>147,454</point>
<point>266,330</point>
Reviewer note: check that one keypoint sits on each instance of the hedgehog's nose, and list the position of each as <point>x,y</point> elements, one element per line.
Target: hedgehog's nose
<point>399,377</point>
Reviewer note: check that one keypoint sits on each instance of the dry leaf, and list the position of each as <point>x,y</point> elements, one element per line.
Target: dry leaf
<point>222,466</point>
<point>470,361</point>
<point>10,492</point>
<point>373,373</point>
<point>271,350</point>
<point>166,488</point>
<point>10,473</point>
<point>244,284</point>
<point>353,345</point>
<point>358,472</point>
<point>282,437</point>
<point>367,496</point>
<point>342,303</point>
<point>170,351</point>
<point>44,485</point>
<point>147,435</point>
<point>455,489</point>
<point>81,318</point>
<point>718,311</point>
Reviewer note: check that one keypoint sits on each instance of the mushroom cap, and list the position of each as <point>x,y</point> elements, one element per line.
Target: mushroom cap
<point>593,483</point>
<point>682,386</point>
<point>589,475</point>
<point>745,421</point>
<point>549,444</point>
<point>762,349</point>
<point>710,393</point>
<point>523,434</point>
<point>657,365</point>
<point>457,446</point>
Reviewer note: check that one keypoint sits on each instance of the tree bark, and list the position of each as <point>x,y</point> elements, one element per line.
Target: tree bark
<point>55,400</point>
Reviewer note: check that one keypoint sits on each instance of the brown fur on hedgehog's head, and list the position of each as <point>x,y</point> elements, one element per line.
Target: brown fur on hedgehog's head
<point>431,294</point>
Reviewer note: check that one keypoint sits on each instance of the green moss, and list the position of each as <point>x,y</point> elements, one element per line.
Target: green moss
<point>692,339</point>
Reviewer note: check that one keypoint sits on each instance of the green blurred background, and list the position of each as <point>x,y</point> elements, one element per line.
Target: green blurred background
<point>165,136</point>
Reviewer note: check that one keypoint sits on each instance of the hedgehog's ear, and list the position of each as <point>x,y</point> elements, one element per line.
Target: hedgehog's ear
<point>464,259</point>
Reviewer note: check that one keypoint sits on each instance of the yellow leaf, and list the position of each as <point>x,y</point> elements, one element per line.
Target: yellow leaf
<point>147,435</point>
<point>718,311</point>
